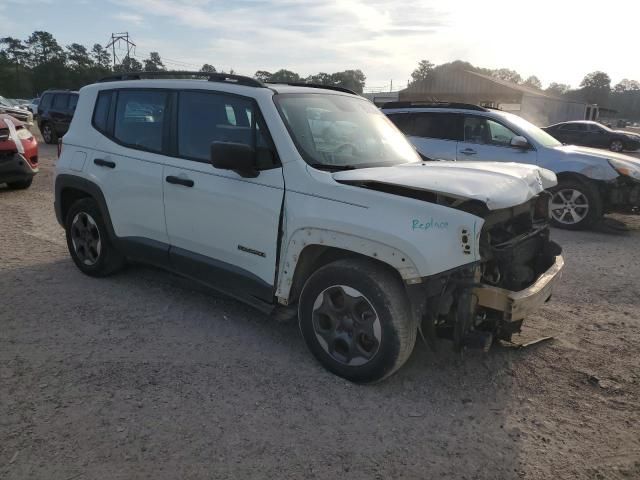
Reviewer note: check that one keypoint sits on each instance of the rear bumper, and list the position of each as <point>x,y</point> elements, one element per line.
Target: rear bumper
<point>518,305</point>
<point>14,168</point>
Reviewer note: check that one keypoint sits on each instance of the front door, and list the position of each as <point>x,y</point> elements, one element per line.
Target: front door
<point>486,139</point>
<point>223,228</point>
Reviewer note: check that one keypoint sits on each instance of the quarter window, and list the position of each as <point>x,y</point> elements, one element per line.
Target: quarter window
<point>204,118</point>
<point>101,111</point>
<point>140,119</point>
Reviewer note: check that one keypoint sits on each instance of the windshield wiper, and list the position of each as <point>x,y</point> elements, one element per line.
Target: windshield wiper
<point>333,168</point>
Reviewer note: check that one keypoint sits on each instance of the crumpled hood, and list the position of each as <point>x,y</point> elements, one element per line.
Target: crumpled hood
<point>497,184</point>
<point>597,152</point>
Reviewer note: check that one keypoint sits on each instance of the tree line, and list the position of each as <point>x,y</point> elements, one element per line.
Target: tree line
<point>29,67</point>
<point>595,87</point>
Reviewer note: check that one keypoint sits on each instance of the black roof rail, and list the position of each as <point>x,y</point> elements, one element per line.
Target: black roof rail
<point>316,85</point>
<point>212,77</point>
<point>457,105</point>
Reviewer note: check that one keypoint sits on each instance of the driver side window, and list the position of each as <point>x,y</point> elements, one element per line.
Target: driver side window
<point>484,131</point>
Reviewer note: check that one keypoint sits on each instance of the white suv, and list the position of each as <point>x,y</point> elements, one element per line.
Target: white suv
<point>307,200</point>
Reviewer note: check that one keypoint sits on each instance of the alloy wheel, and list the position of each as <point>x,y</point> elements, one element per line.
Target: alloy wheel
<point>569,206</point>
<point>346,325</point>
<point>617,146</point>
<point>46,133</point>
<point>85,238</point>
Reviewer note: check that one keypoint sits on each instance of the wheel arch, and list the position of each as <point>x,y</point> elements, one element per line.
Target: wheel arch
<point>70,188</point>
<point>311,248</point>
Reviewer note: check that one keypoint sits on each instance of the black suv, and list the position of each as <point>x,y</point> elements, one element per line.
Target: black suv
<point>55,112</point>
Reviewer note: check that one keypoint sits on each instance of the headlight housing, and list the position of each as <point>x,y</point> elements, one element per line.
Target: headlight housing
<point>24,134</point>
<point>625,168</point>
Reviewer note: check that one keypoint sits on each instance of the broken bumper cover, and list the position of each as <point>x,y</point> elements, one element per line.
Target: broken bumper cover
<point>518,305</point>
<point>15,167</point>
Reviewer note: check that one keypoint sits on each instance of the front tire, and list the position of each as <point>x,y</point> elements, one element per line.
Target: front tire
<point>88,240</point>
<point>355,318</point>
<point>575,205</point>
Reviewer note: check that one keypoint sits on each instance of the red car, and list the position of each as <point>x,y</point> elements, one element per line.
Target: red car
<point>18,153</point>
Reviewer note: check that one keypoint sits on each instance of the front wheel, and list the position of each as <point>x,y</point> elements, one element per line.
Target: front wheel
<point>575,205</point>
<point>355,318</point>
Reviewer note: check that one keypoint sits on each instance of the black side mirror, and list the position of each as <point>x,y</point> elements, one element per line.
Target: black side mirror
<point>239,157</point>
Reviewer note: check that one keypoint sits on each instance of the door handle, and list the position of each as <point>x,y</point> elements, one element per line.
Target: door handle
<point>104,163</point>
<point>179,181</point>
<point>468,151</point>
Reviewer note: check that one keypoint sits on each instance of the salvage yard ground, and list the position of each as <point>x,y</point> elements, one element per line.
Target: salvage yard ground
<point>145,374</point>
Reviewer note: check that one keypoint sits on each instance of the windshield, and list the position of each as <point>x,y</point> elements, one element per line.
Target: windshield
<point>340,132</point>
<point>529,130</point>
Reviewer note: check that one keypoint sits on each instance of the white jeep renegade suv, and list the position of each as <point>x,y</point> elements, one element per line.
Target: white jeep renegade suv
<point>308,199</point>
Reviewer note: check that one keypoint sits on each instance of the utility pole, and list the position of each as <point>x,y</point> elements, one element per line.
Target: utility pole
<point>116,38</point>
<point>391,87</point>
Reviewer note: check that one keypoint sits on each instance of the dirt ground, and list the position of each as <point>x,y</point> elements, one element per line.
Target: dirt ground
<point>147,375</point>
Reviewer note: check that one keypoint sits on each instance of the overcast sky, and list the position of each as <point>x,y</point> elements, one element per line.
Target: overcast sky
<point>557,40</point>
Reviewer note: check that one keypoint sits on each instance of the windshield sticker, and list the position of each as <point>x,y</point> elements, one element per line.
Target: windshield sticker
<point>428,225</point>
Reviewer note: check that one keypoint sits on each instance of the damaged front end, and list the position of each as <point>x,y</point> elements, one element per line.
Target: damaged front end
<point>518,268</point>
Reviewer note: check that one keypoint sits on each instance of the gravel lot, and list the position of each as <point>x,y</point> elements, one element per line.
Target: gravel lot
<point>147,375</point>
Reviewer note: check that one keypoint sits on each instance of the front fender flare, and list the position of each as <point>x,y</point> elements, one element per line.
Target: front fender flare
<point>308,236</point>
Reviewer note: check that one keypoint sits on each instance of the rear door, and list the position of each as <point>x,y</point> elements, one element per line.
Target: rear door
<point>486,139</point>
<point>127,163</point>
<point>434,134</point>
<point>572,133</point>
<point>223,228</point>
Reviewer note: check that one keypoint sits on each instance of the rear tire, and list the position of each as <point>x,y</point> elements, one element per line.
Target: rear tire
<point>575,205</point>
<point>355,318</point>
<point>616,146</point>
<point>88,240</point>
<point>49,134</point>
<point>21,185</point>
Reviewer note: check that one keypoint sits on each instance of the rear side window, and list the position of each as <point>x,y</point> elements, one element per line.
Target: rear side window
<point>73,101</point>
<point>60,101</point>
<point>140,118</point>
<point>204,118</point>
<point>443,126</point>
<point>46,101</point>
<point>101,111</point>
